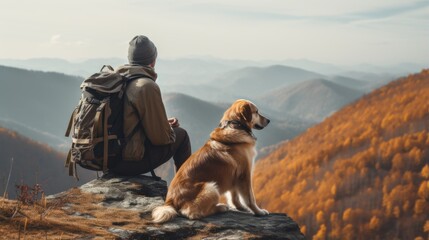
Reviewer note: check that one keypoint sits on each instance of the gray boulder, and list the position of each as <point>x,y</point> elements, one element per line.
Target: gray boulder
<point>141,194</point>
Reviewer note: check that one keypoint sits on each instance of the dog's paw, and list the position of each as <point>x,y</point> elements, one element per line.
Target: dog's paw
<point>242,209</point>
<point>222,207</point>
<point>239,206</point>
<point>261,212</point>
<point>194,216</point>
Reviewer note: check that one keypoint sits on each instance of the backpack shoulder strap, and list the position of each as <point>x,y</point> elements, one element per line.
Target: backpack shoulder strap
<point>105,137</point>
<point>72,119</point>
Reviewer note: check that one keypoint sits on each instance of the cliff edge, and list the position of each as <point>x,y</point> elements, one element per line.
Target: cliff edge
<point>121,207</point>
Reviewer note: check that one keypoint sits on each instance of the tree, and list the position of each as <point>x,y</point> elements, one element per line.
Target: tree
<point>425,172</point>
<point>320,217</point>
<point>347,215</point>
<point>335,226</point>
<point>348,232</point>
<point>420,207</point>
<point>321,234</point>
<point>334,190</point>
<point>396,211</point>
<point>398,162</point>
<point>374,223</point>
<point>424,190</point>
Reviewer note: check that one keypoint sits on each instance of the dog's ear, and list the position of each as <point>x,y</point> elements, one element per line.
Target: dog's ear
<point>240,111</point>
<point>246,112</point>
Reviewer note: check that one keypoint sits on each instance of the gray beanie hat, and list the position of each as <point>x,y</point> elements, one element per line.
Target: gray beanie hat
<point>141,51</point>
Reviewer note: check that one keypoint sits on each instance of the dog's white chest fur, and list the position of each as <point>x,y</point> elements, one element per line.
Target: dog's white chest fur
<point>250,154</point>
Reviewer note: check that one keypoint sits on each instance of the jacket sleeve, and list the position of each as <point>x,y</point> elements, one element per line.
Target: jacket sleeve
<point>152,114</point>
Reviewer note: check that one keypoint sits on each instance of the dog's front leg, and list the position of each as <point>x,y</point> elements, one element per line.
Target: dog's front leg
<point>246,192</point>
<point>235,198</point>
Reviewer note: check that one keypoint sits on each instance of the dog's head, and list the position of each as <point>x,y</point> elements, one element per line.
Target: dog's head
<point>245,112</point>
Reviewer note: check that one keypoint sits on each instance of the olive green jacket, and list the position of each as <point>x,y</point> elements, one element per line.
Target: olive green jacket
<point>143,106</point>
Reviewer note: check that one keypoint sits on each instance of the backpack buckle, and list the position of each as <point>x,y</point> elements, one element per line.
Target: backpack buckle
<point>94,101</point>
<point>103,104</point>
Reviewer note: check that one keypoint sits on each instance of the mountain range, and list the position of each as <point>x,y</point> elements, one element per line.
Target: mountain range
<point>38,104</point>
<point>251,81</point>
<point>312,99</point>
<point>218,81</point>
<point>351,82</point>
<point>206,66</point>
<point>36,100</point>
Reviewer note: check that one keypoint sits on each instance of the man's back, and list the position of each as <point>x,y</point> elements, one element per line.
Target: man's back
<point>145,111</point>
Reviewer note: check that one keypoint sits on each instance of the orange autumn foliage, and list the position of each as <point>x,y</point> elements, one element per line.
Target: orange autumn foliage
<point>360,174</point>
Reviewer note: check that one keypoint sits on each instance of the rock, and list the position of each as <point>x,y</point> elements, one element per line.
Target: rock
<point>141,194</point>
<point>85,215</point>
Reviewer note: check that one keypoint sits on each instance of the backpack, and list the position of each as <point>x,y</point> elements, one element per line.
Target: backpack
<point>96,124</point>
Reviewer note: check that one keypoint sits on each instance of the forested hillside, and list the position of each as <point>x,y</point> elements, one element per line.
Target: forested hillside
<point>33,163</point>
<point>363,173</point>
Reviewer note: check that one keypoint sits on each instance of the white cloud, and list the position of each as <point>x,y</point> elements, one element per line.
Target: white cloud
<point>58,40</point>
<point>55,39</point>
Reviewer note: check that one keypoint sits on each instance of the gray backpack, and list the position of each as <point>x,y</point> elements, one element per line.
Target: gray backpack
<point>96,124</point>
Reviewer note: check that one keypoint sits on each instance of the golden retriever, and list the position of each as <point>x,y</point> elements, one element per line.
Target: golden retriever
<point>223,164</point>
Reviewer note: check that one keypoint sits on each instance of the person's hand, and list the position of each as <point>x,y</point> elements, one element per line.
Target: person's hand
<point>174,122</point>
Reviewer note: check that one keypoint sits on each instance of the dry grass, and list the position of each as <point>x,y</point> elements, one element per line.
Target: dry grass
<point>74,215</point>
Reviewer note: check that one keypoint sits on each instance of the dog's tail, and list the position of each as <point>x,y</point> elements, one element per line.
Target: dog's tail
<point>163,214</point>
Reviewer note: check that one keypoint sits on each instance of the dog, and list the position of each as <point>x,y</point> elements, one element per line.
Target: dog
<point>223,164</point>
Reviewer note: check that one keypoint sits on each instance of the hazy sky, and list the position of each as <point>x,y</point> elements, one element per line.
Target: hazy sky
<point>332,31</point>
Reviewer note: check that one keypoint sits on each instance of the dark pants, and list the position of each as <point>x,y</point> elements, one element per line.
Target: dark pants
<point>155,156</point>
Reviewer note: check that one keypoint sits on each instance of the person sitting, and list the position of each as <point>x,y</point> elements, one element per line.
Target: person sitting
<point>155,138</point>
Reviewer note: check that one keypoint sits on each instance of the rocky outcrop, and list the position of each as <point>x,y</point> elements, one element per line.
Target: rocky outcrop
<point>141,194</point>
